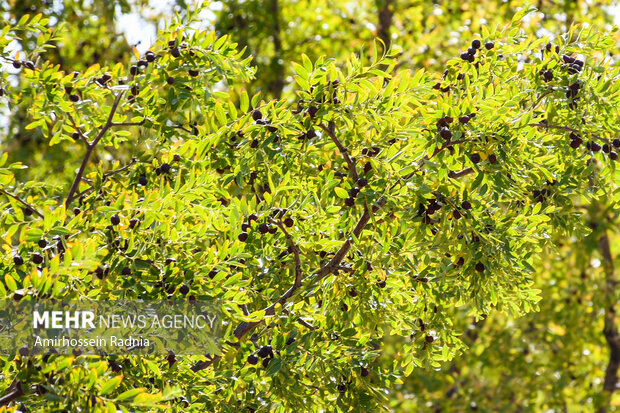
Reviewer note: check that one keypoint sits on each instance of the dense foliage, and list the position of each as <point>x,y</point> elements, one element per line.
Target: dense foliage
<point>426,226</point>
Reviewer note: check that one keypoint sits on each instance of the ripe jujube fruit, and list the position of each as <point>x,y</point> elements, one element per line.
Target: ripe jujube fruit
<point>134,222</point>
<point>37,258</point>
<point>257,114</point>
<point>115,219</point>
<point>175,52</point>
<point>475,158</point>
<point>242,236</point>
<point>75,136</point>
<point>480,267</point>
<point>18,260</point>
<point>616,143</point>
<point>252,359</point>
<point>170,80</point>
<point>142,180</point>
<point>193,72</point>
<point>42,243</point>
<point>165,167</point>
<point>445,133</point>
<point>263,228</point>
<point>184,289</point>
<point>74,98</point>
<point>492,158</point>
<point>489,45</point>
<point>265,351</point>
<point>476,44</point>
<point>126,271</point>
<point>149,56</point>
<point>349,202</point>
<point>613,155</point>
<point>362,182</point>
<point>466,205</point>
<point>429,339</point>
<point>289,222</point>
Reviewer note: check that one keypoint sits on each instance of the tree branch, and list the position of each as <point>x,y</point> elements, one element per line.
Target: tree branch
<point>15,392</point>
<point>77,128</point>
<point>294,248</point>
<point>567,129</point>
<point>24,203</point>
<point>343,150</point>
<point>245,327</point>
<point>91,147</point>
<point>464,172</point>
<point>128,123</point>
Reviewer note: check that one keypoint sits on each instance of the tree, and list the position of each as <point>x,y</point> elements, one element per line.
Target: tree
<point>357,229</point>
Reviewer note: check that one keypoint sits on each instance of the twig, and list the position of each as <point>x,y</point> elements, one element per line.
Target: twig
<point>91,147</point>
<point>343,150</point>
<point>567,129</point>
<point>128,123</point>
<point>15,393</point>
<point>119,170</point>
<point>105,176</point>
<point>295,250</point>
<point>77,128</point>
<point>464,172</point>
<point>26,204</point>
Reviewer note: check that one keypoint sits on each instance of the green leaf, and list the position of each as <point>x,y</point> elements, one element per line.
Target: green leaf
<point>110,385</point>
<point>342,193</point>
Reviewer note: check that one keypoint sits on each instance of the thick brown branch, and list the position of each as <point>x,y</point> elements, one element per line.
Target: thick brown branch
<point>343,150</point>
<point>21,201</point>
<point>90,148</point>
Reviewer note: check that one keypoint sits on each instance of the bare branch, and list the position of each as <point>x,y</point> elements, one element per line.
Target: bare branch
<point>343,150</point>
<point>90,148</point>
<point>24,203</point>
